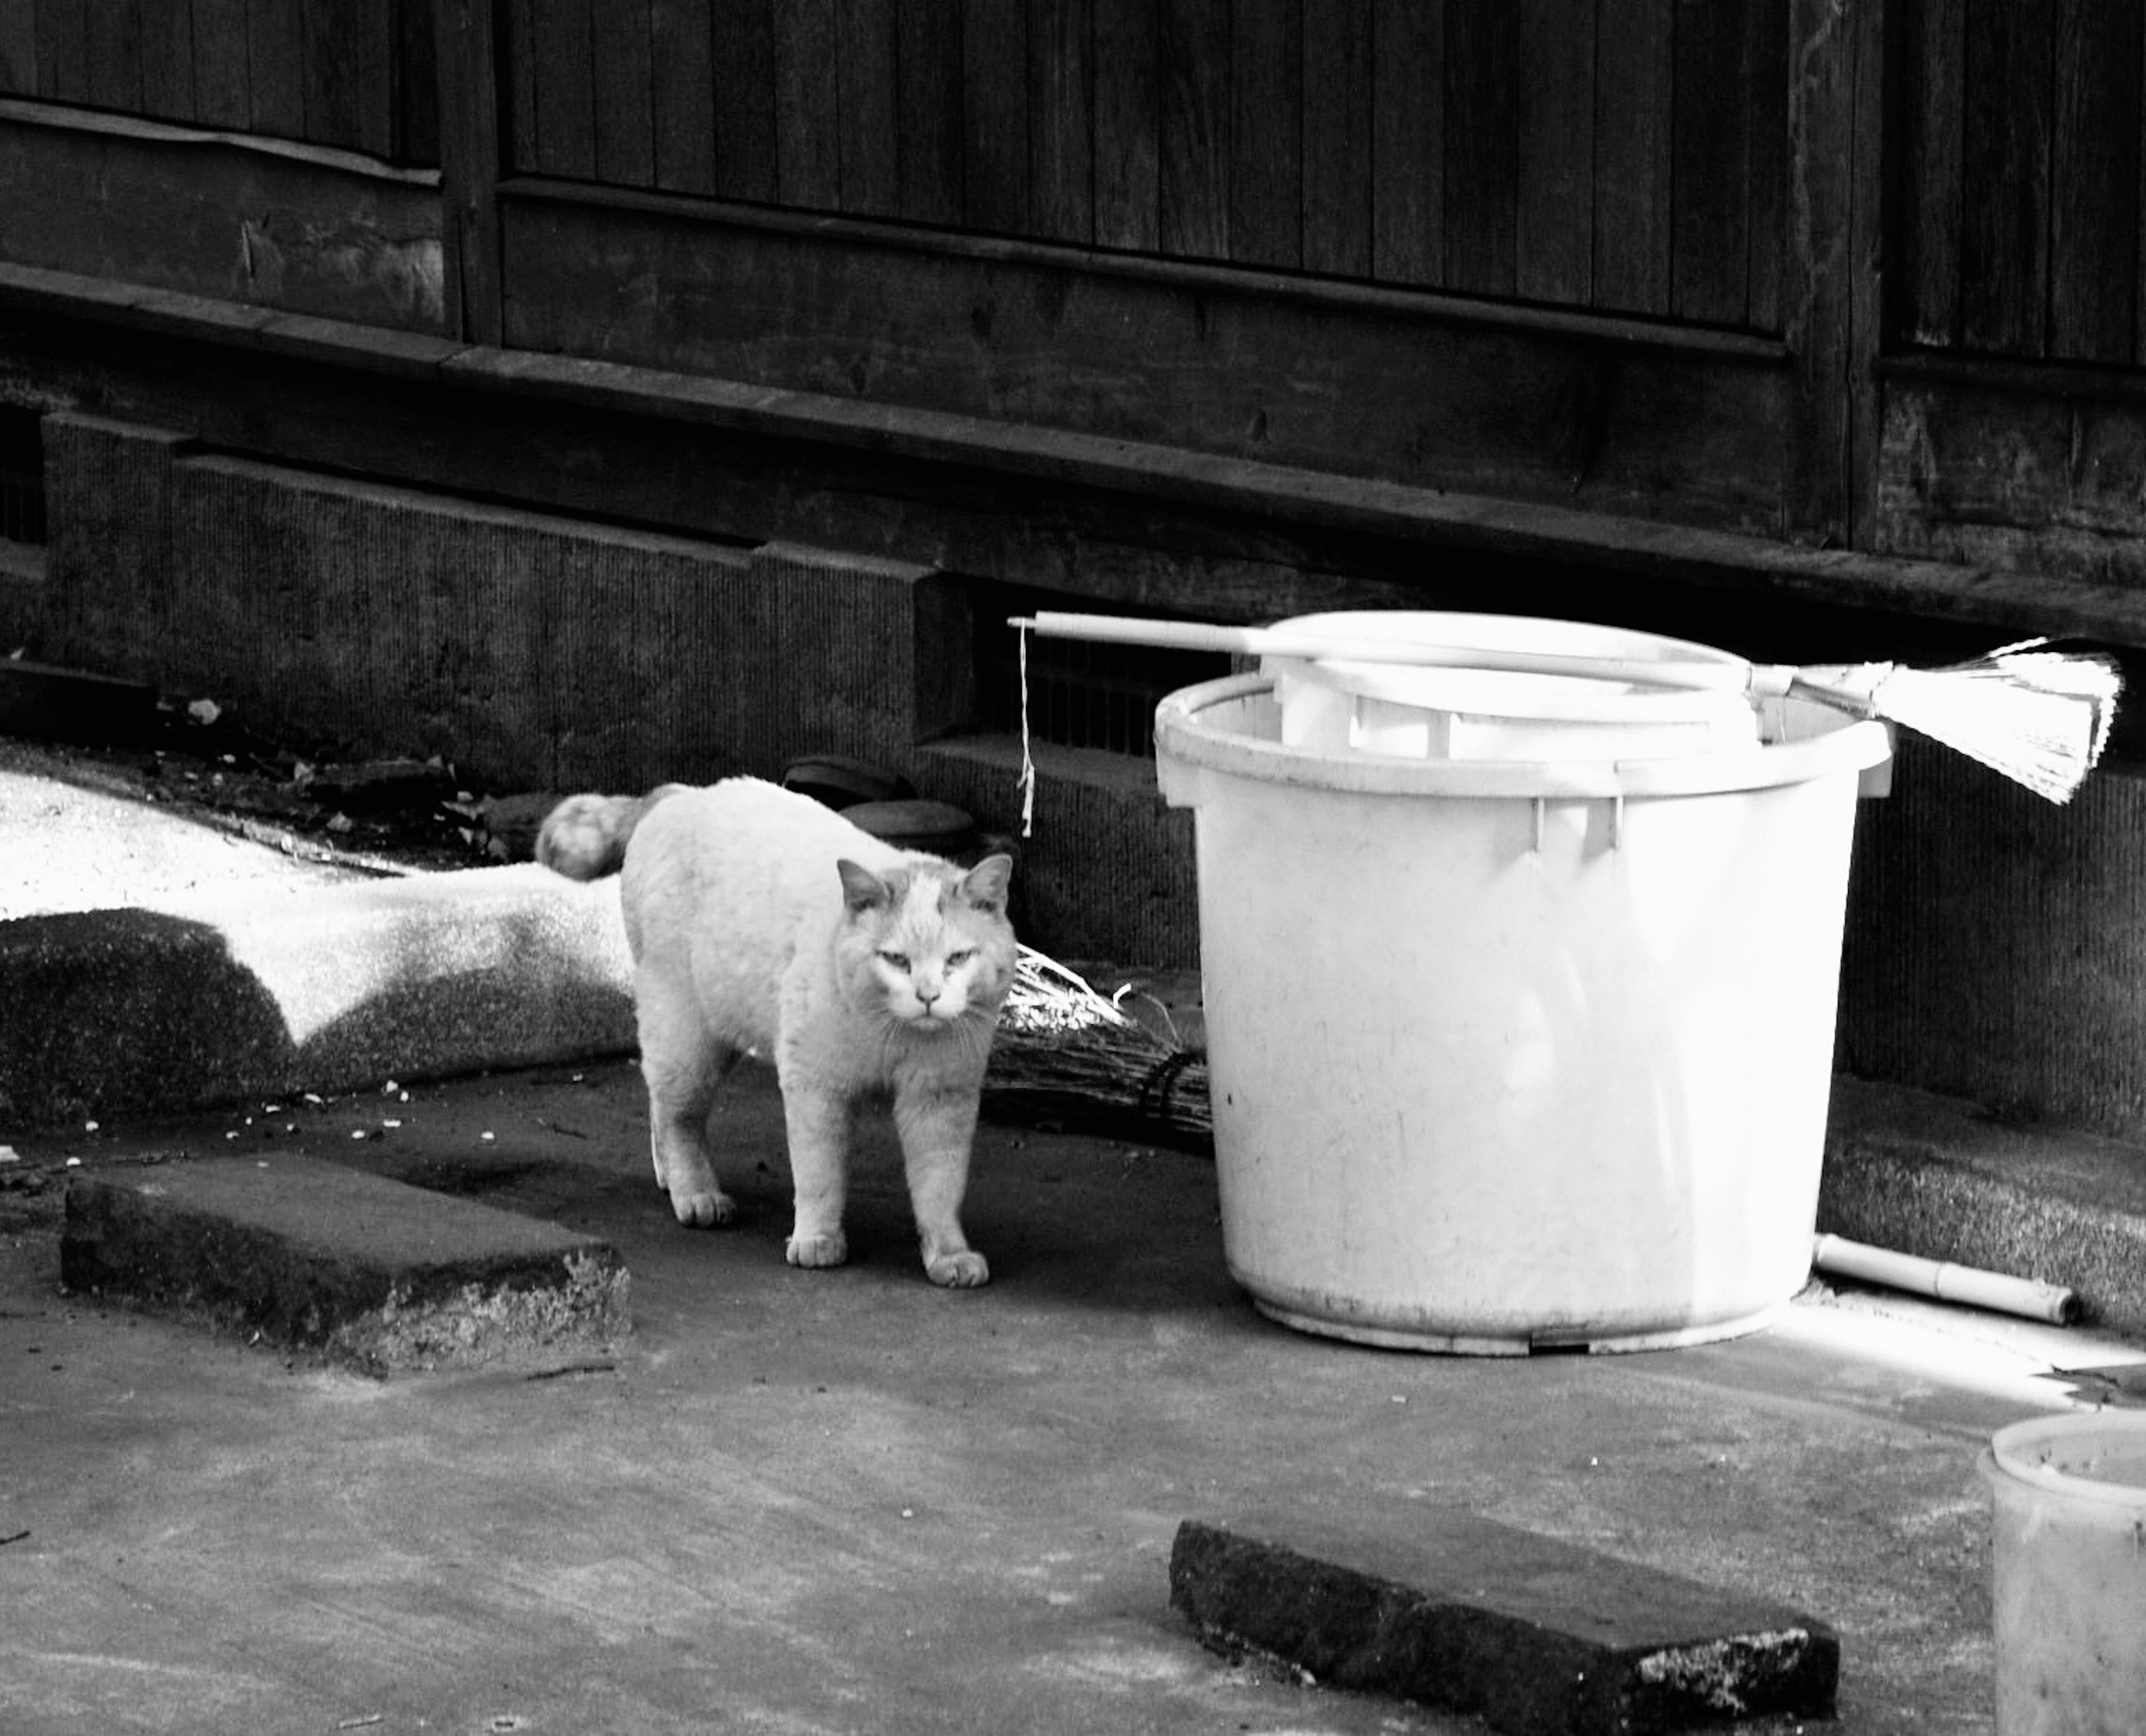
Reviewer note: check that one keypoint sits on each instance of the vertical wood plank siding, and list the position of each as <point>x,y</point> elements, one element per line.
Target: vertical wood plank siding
<point>112,45</point>
<point>1128,157</point>
<point>2020,179</point>
<point>682,108</point>
<point>1634,65</point>
<point>994,115</point>
<point>356,74</point>
<point>1266,132</point>
<point>1482,146</point>
<point>1408,141</point>
<point>741,46</point>
<point>1061,121</point>
<point>2094,174</point>
<point>1194,47</point>
<point>1627,156</point>
<point>868,168</point>
<point>927,55</point>
<point>1554,201</point>
<point>623,77</point>
<point>1338,109</point>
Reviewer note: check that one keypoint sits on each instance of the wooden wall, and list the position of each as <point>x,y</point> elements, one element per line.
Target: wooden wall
<point>1627,155</point>
<point>1508,246</point>
<point>1663,259</point>
<point>1673,169</point>
<point>357,74</point>
<point>2015,403</point>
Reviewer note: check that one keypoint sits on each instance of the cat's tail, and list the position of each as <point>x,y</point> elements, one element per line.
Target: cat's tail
<point>584,837</point>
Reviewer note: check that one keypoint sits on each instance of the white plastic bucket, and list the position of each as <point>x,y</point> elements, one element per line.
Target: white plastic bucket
<point>1336,705</point>
<point>1507,1054</point>
<point>2068,1531</point>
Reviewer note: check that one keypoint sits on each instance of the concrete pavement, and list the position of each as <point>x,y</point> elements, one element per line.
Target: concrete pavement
<point>848,1501</point>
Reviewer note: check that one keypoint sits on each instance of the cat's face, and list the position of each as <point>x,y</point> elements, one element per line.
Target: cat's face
<point>928,946</point>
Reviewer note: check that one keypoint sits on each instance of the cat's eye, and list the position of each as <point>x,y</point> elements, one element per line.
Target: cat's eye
<point>956,958</point>
<point>895,960</point>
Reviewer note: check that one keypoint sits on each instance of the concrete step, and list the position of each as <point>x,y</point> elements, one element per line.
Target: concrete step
<point>1538,1637</point>
<point>1932,1176</point>
<point>317,1257</point>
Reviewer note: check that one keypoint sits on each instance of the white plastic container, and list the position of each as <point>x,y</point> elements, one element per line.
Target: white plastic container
<point>2068,1530</point>
<point>1337,704</point>
<point>1505,1054</point>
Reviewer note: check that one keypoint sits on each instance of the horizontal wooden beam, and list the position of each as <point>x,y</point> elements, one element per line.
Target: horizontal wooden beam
<point>2066,381</point>
<point>2004,601</point>
<point>1338,295</point>
<point>137,128</point>
<point>1378,391</point>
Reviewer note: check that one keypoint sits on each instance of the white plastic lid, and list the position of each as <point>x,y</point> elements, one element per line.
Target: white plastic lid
<point>1498,693</point>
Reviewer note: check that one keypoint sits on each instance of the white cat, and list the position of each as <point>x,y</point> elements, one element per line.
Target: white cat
<point>761,921</point>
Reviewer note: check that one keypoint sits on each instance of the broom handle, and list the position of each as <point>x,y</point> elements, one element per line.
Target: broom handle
<point>1685,673</point>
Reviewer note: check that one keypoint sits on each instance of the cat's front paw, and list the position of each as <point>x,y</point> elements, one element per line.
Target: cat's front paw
<point>830,1250</point>
<point>702,1208</point>
<point>963,1271</point>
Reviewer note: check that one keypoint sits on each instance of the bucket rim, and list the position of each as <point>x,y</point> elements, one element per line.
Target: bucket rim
<point>1855,746</point>
<point>2011,1457</point>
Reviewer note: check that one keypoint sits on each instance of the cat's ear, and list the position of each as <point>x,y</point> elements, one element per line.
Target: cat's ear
<point>861,889</point>
<point>984,885</point>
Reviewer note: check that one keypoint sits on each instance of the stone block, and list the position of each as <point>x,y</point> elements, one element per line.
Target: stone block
<point>1537,1637</point>
<point>1939,1178</point>
<point>875,654</point>
<point>316,1257</point>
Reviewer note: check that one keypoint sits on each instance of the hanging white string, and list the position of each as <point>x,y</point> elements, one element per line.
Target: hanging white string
<point>1027,782</point>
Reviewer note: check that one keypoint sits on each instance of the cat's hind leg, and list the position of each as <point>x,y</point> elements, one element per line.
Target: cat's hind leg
<point>682,1066</point>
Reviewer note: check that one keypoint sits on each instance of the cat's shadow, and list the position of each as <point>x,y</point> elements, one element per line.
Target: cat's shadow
<point>1089,1218</point>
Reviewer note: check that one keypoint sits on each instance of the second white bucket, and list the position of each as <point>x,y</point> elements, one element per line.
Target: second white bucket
<point>2069,1574</point>
<point>1505,1055</point>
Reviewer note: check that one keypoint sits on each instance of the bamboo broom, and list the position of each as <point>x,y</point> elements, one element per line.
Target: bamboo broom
<point>2039,717</point>
<point>1061,1043</point>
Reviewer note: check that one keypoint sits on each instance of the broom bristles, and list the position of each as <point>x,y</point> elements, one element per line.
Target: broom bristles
<point>2040,717</point>
<point>1060,1041</point>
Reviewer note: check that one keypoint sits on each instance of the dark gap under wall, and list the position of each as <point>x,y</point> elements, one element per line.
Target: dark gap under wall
<point>1079,694</point>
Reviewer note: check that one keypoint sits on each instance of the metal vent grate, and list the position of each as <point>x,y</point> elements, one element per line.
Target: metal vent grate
<point>21,476</point>
<point>1079,695</point>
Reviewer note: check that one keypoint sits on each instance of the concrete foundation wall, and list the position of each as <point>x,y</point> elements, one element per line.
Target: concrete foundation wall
<point>1996,945</point>
<point>531,651</point>
<point>1106,870</point>
<point>534,651</point>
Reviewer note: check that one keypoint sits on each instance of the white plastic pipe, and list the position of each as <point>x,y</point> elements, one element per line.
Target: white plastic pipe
<point>1708,674</point>
<point>2029,1297</point>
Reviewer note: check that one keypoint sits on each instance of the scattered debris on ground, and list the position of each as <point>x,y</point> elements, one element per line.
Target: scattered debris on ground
<point>200,759</point>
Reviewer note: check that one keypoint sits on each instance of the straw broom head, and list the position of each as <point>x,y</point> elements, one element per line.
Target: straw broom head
<point>1061,1043</point>
<point>2039,717</point>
